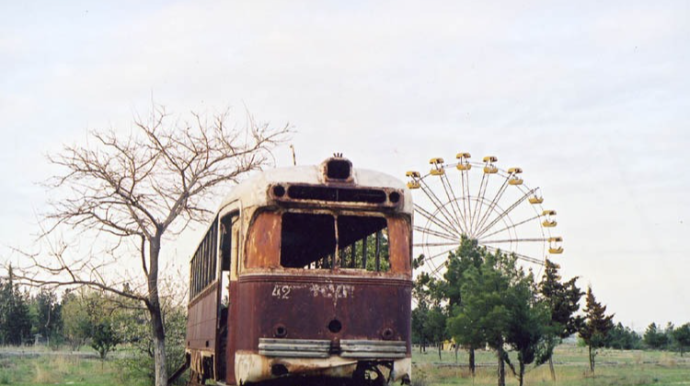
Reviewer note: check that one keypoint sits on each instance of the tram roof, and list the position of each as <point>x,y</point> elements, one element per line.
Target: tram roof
<point>253,191</point>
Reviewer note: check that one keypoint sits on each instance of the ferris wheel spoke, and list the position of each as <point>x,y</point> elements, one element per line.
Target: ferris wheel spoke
<point>435,233</point>
<point>510,227</point>
<point>435,269</point>
<point>453,202</point>
<point>505,213</point>
<point>479,203</point>
<point>493,203</point>
<point>432,218</point>
<point>439,254</point>
<point>518,255</point>
<point>436,244</point>
<point>516,240</point>
<point>466,198</point>
<point>439,205</point>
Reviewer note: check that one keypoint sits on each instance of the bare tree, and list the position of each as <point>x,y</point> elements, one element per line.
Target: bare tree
<point>142,187</point>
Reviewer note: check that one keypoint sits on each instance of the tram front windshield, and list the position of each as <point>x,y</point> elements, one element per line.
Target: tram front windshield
<point>325,241</point>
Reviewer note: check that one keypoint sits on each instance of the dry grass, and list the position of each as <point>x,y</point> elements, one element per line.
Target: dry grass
<point>43,375</point>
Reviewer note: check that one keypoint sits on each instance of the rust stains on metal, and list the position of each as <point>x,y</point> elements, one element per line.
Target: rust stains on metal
<point>202,320</point>
<point>399,232</point>
<point>263,243</point>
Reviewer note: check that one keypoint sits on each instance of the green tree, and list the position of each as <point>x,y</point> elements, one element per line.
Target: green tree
<point>429,317</point>
<point>436,327</point>
<point>75,318</point>
<point>421,293</point>
<point>655,338</point>
<point>420,316</point>
<point>46,317</point>
<point>668,331</point>
<point>15,319</point>
<point>623,338</point>
<point>485,309</point>
<point>596,327</point>
<point>466,330</point>
<point>467,255</point>
<point>529,320</point>
<point>563,300</point>
<point>104,338</point>
<point>681,338</point>
<point>82,310</point>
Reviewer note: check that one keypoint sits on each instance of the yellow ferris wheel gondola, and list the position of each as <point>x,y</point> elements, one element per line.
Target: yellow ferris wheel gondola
<point>464,163</point>
<point>489,167</point>
<point>555,247</point>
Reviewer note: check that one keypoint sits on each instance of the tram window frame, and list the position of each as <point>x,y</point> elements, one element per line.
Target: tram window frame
<point>226,240</point>
<point>303,233</point>
<point>352,248</point>
<point>204,262</point>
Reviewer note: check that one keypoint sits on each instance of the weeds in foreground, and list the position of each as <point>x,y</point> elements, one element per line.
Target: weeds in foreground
<point>5,378</point>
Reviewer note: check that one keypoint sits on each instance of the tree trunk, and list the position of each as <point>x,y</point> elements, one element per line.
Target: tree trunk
<point>159,350</point>
<point>553,371</point>
<point>501,369</point>
<point>440,346</point>
<point>154,307</point>
<point>472,364</point>
<point>591,360</point>
<point>457,348</point>
<point>521,375</point>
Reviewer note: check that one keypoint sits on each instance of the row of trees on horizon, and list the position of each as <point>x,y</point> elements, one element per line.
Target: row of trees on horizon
<point>485,300</point>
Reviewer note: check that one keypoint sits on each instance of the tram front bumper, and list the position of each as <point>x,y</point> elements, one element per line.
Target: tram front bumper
<point>285,357</point>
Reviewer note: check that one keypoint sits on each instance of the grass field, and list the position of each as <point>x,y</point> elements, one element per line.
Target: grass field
<point>617,368</point>
<point>44,367</point>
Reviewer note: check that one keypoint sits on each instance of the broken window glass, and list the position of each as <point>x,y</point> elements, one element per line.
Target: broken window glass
<point>308,241</point>
<point>363,243</point>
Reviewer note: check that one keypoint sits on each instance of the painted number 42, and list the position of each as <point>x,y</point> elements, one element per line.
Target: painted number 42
<point>281,292</point>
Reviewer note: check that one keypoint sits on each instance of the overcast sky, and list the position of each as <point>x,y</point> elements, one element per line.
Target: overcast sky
<point>591,99</point>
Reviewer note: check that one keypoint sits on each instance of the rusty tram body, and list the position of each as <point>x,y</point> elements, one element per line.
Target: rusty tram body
<point>304,276</point>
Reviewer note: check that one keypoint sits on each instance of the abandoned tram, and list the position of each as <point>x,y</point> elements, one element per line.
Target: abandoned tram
<point>304,277</point>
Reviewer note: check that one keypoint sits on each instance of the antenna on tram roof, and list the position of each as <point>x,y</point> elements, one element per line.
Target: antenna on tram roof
<point>294,158</point>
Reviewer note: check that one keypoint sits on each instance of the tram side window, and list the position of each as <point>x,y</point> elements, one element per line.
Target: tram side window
<point>363,243</point>
<point>307,240</point>
<point>204,263</point>
<point>226,241</point>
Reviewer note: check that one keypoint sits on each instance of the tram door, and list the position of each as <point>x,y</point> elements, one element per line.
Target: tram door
<point>229,235</point>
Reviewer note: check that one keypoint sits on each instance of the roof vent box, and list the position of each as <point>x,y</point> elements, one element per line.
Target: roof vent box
<point>337,169</point>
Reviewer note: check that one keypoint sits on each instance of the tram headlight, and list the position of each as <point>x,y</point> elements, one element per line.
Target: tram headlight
<point>280,331</point>
<point>387,333</point>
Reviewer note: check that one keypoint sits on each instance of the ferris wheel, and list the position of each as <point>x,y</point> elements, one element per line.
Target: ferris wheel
<point>479,201</point>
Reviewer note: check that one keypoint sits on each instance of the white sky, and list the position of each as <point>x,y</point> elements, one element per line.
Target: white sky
<point>591,99</point>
